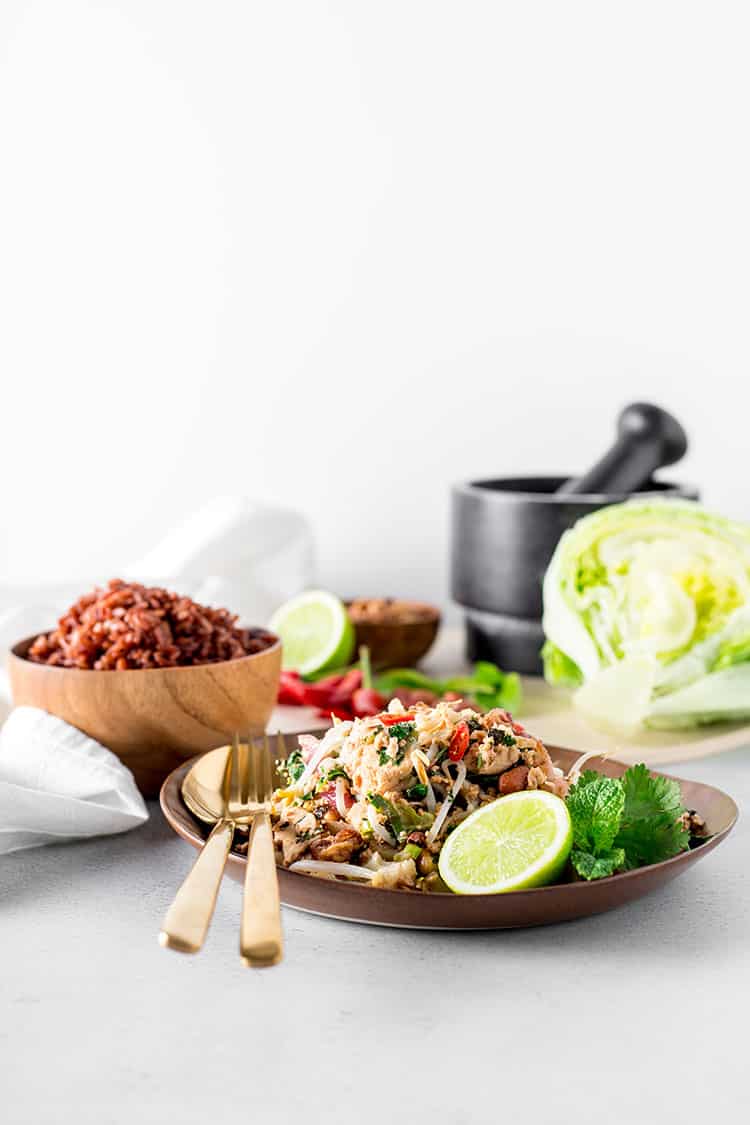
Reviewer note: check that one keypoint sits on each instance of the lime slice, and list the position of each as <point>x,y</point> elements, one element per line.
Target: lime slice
<point>315,632</point>
<point>518,841</point>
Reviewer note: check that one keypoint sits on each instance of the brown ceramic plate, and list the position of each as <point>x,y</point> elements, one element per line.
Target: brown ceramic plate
<point>558,903</point>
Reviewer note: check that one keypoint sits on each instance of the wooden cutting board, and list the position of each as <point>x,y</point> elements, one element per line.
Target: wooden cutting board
<point>549,714</point>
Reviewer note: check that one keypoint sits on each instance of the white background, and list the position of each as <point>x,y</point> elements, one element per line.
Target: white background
<point>338,255</point>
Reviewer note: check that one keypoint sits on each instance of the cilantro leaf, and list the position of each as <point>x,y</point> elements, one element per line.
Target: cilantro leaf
<point>595,804</point>
<point>650,830</point>
<point>591,866</point>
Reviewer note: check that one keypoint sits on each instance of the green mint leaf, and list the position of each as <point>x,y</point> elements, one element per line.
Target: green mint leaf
<point>595,804</point>
<point>650,830</point>
<point>591,866</point>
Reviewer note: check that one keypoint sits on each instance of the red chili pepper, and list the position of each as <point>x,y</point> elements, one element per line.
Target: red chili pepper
<point>316,695</point>
<point>337,712</point>
<point>341,696</point>
<point>389,719</point>
<point>459,744</point>
<point>330,682</point>
<point>367,701</point>
<point>291,689</point>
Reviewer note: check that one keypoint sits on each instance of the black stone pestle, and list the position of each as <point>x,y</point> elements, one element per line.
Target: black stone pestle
<point>647,439</point>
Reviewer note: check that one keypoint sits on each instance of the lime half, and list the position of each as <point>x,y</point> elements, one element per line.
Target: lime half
<point>518,841</point>
<point>315,632</point>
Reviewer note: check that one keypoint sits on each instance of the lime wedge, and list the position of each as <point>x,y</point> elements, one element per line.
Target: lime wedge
<point>315,632</point>
<point>518,841</point>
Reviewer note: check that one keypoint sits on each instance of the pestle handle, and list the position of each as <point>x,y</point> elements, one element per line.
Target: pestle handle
<point>647,438</point>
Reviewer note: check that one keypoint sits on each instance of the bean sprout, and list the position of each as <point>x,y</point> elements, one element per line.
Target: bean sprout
<point>447,804</point>
<point>331,868</point>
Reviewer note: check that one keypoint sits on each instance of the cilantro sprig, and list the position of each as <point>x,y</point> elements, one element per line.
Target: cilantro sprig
<point>619,824</point>
<point>651,828</point>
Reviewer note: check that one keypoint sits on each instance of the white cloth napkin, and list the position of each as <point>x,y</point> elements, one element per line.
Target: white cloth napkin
<point>57,784</point>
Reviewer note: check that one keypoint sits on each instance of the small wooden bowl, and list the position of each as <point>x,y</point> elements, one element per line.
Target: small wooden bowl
<point>399,644</point>
<point>153,719</point>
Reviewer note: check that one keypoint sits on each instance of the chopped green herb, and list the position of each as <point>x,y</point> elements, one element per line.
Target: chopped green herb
<point>417,792</point>
<point>502,737</point>
<point>293,767</point>
<point>337,771</point>
<point>384,757</point>
<point>403,732</point>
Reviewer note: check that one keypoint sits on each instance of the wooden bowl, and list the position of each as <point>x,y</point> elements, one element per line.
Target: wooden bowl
<point>153,719</point>
<point>399,644</point>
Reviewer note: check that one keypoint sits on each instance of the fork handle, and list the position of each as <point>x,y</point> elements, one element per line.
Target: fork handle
<point>260,934</point>
<point>186,922</point>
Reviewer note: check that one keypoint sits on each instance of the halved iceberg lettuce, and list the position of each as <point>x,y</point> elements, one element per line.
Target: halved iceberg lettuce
<point>647,614</point>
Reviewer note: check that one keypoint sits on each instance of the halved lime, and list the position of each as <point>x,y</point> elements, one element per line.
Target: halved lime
<point>518,841</point>
<point>315,632</point>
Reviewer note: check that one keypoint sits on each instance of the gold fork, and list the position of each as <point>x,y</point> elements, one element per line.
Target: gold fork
<point>250,789</point>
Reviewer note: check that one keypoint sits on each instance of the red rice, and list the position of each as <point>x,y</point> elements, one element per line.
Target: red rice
<point>126,625</point>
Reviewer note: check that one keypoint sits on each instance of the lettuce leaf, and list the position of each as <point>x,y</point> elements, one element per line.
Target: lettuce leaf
<point>660,585</point>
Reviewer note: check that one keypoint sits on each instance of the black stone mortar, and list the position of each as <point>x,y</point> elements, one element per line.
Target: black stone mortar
<point>505,530</point>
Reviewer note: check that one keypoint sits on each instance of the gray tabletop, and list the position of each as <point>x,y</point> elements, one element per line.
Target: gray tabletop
<point>633,1015</point>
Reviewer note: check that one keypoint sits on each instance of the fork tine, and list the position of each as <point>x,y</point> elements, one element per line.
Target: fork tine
<point>250,773</point>
<point>267,770</point>
<point>235,780</point>
<point>255,770</point>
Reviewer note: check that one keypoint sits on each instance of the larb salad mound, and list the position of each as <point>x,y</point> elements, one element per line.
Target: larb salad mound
<point>375,798</point>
